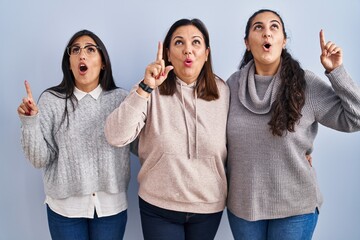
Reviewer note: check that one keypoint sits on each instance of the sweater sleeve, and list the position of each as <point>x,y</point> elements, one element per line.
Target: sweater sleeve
<point>37,138</point>
<point>124,124</point>
<point>336,106</point>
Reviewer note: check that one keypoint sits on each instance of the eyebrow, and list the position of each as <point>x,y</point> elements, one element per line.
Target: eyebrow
<point>86,44</point>
<point>196,36</point>
<point>270,21</point>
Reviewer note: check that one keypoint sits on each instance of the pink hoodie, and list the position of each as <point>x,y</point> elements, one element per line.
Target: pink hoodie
<point>182,146</point>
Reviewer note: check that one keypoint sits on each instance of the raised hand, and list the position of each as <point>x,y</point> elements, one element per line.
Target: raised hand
<point>28,106</point>
<point>331,55</point>
<point>156,72</point>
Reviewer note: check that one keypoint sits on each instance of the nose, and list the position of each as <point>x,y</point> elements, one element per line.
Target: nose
<point>267,35</point>
<point>187,50</point>
<point>82,53</point>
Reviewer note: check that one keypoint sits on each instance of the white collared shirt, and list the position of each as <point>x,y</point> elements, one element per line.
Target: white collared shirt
<point>105,204</point>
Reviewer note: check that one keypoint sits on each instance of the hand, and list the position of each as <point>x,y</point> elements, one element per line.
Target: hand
<point>28,106</point>
<point>331,55</point>
<point>156,72</point>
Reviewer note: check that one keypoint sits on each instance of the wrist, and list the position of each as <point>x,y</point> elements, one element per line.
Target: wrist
<point>145,87</point>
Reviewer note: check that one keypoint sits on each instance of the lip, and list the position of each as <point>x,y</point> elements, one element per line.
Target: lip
<point>83,68</point>
<point>267,46</point>
<point>188,62</point>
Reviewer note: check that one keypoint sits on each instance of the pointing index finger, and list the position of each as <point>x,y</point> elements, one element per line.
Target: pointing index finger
<point>322,39</point>
<point>28,90</point>
<point>159,52</point>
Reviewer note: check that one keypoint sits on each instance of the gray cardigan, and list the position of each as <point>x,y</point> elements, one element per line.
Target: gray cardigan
<point>77,160</point>
<point>269,176</point>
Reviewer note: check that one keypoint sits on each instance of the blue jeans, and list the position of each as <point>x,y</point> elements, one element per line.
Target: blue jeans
<point>104,228</point>
<point>162,224</point>
<point>300,227</point>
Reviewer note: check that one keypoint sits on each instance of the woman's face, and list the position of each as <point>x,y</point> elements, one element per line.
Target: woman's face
<point>187,53</point>
<point>87,64</point>
<point>266,41</point>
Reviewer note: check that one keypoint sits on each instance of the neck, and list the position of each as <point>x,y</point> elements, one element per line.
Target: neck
<point>87,87</point>
<point>267,69</point>
<point>188,81</point>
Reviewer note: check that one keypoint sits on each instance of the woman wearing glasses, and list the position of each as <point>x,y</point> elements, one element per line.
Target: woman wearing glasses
<point>85,179</point>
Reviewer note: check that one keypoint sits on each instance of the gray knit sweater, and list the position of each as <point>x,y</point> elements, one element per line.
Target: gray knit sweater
<point>268,175</point>
<point>77,160</point>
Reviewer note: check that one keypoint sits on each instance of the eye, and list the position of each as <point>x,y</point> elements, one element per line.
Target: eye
<point>75,50</point>
<point>178,42</point>
<point>90,49</point>
<point>196,42</point>
<point>276,26</point>
<point>258,27</point>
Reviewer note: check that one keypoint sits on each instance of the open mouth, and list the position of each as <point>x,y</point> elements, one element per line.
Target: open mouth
<point>267,46</point>
<point>83,68</point>
<point>188,62</point>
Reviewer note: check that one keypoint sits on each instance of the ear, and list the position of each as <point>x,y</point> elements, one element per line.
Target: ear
<point>247,45</point>
<point>207,51</point>
<point>284,44</point>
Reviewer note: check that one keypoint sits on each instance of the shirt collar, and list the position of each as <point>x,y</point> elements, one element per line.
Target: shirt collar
<point>94,93</point>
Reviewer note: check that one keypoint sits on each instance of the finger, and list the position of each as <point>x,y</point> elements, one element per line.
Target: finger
<point>155,70</point>
<point>331,49</point>
<point>24,109</point>
<point>322,39</point>
<point>159,56</point>
<point>167,70</point>
<point>28,90</point>
<point>336,50</point>
<point>26,104</point>
<point>21,111</point>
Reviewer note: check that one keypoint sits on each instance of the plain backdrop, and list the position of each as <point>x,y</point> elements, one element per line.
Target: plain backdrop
<point>34,35</point>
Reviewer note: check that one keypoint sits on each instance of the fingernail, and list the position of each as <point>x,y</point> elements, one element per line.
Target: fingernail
<point>29,102</point>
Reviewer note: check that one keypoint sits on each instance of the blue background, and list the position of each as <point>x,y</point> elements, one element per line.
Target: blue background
<point>34,35</point>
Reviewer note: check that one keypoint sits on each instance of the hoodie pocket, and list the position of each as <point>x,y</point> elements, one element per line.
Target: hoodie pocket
<point>179,179</point>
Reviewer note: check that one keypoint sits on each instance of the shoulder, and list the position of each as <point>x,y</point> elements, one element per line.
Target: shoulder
<point>221,84</point>
<point>312,79</point>
<point>234,78</point>
<point>116,93</point>
<point>51,97</point>
<point>115,96</point>
<point>309,75</point>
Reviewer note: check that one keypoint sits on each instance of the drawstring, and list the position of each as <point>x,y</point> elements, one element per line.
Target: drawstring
<point>186,122</point>
<point>196,127</point>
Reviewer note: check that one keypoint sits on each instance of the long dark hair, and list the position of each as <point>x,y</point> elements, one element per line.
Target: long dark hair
<point>286,109</point>
<point>206,87</point>
<point>65,89</point>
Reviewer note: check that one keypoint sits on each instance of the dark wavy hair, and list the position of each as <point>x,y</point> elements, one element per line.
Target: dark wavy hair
<point>65,89</point>
<point>286,109</point>
<point>206,87</point>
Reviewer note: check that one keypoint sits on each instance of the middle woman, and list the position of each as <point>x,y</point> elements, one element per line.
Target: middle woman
<point>179,113</point>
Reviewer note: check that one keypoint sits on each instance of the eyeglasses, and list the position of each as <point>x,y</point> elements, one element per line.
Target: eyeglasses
<point>90,50</point>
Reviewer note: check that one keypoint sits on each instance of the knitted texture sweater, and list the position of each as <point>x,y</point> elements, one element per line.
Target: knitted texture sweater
<point>75,157</point>
<point>182,146</point>
<point>269,176</point>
